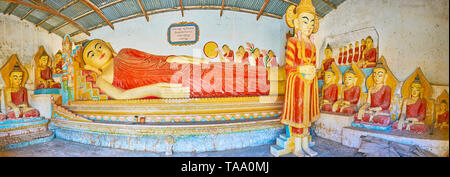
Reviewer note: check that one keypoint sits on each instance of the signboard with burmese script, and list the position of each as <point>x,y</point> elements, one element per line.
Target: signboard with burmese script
<point>184,33</point>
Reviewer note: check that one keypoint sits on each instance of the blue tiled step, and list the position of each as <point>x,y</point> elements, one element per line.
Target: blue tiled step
<point>22,122</point>
<point>25,139</point>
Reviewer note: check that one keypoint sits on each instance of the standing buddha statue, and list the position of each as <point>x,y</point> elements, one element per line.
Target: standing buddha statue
<point>345,56</point>
<point>350,54</point>
<point>340,56</point>
<point>356,56</point>
<point>301,106</point>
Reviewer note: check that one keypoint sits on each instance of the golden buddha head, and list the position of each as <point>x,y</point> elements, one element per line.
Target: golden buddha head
<point>350,46</point>
<point>350,78</point>
<point>416,88</point>
<point>58,56</point>
<point>67,44</point>
<point>225,48</point>
<point>328,52</point>
<point>328,77</point>
<point>303,18</point>
<point>43,59</point>
<point>241,50</point>
<point>96,53</point>
<point>270,53</point>
<point>363,42</point>
<point>443,107</point>
<point>340,49</point>
<point>256,53</point>
<point>369,42</point>
<point>379,74</point>
<point>16,77</point>
<point>356,44</point>
<point>345,48</point>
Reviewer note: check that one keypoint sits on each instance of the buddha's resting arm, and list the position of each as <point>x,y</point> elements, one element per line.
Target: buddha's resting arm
<point>9,100</point>
<point>186,59</point>
<point>162,90</point>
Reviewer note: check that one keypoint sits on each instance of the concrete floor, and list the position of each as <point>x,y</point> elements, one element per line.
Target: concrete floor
<point>63,148</point>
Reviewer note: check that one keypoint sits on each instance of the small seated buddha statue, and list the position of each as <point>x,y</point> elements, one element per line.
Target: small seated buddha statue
<point>226,55</point>
<point>44,79</point>
<point>370,54</point>
<point>442,115</point>
<point>348,104</point>
<point>413,111</point>
<point>258,57</point>
<point>59,62</point>
<point>328,58</point>
<point>272,61</point>
<point>241,56</point>
<point>376,109</point>
<point>340,56</point>
<point>329,91</point>
<point>17,98</point>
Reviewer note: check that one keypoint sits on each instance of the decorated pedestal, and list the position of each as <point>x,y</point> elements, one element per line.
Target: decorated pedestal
<point>24,132</point>
<point>438,143</point>
<point>166,125</point>
<point>330,126</point>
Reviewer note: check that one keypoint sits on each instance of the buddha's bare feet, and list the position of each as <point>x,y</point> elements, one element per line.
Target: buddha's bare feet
<point>299,153</point>
<point>310,152</point>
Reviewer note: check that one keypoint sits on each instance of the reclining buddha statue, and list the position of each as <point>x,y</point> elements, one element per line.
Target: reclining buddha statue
<point>133,74</point>
<point>16,97</point>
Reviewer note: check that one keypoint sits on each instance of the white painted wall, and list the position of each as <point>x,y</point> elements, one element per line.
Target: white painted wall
<point>413,33</point>
<point>233,29</point>
<point>23,38</point>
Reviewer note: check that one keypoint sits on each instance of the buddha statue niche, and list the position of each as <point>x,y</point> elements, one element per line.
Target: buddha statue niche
<point>352,92</point>
<point>414,110</point>
<point>329,91</point>
<point>44,79</point>
<point>442,115</point>
<point>59,62</point>
<point>17,98</point>
<point>376,109</point>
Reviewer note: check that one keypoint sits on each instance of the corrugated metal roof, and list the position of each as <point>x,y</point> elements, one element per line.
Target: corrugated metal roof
<point>117,10</point>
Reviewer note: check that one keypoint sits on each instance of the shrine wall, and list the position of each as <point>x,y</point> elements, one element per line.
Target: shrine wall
<point>412,33</point>
<point>233,28</point>
<point>21,37</point>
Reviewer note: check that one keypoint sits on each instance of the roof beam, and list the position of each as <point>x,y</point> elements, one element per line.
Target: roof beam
<point>262,9</point>
<point>142,9</point>
<point>181,5</point>
<point>26,15</point>
<point>221,9</point>
<point>85,14</point>
<point>175,9</point>
<point>289,2</point>
<point>330,4</point>
<point>98,11</point>
<point>10,9</point>
<point>50,10</point>
<point>59,10</point>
